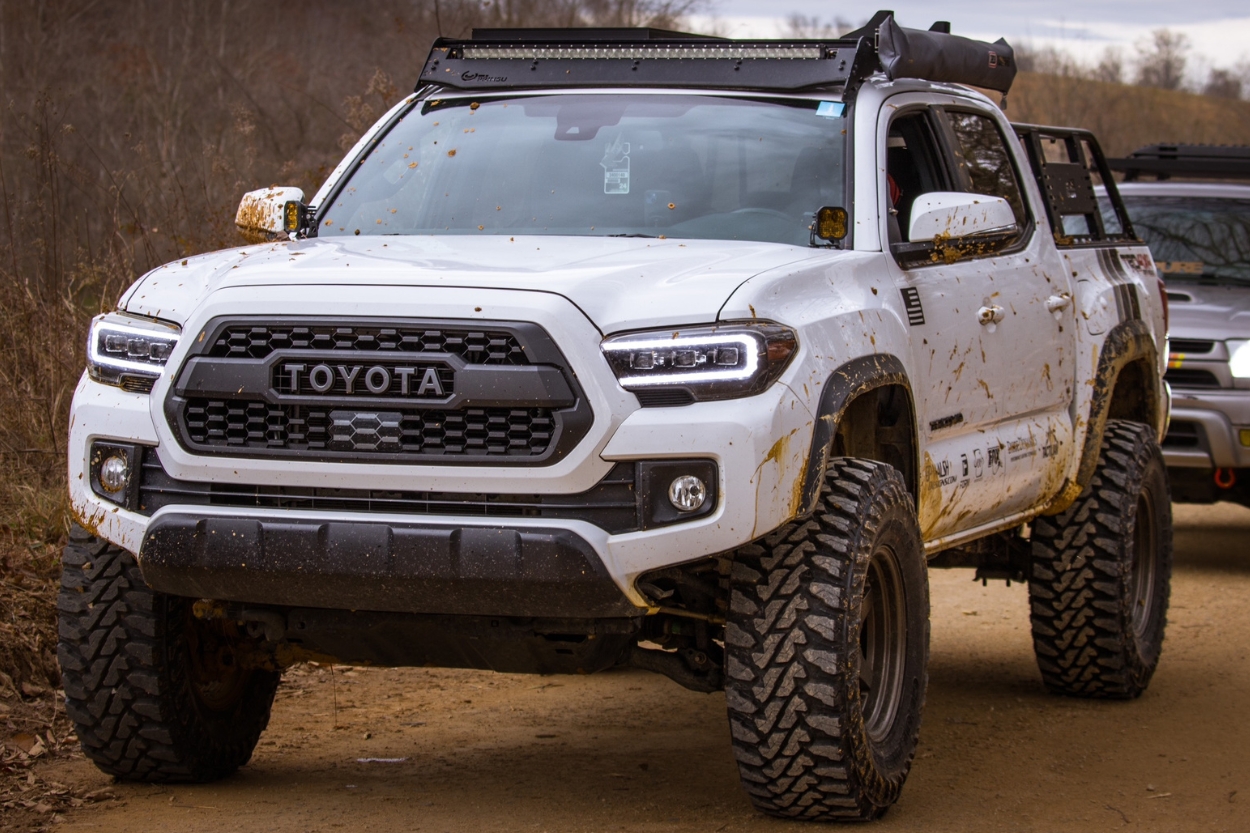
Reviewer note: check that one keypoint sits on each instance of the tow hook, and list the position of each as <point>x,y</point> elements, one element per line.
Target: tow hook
<point>1225,478</point>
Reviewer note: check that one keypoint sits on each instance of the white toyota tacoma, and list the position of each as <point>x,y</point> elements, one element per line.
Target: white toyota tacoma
<point>633,348</point>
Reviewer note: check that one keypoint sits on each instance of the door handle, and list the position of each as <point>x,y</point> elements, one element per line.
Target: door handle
<point>1056,303</point>
<point>991,314</point>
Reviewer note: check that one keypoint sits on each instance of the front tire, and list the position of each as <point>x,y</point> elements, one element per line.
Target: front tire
<point>1102,573</point>
<point>827,645</point>
<point>155,694</point>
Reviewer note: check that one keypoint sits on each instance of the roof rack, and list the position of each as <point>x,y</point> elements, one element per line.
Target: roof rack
<point>1164,161</point>
<point>1065,176</point>
<point>496,59</point>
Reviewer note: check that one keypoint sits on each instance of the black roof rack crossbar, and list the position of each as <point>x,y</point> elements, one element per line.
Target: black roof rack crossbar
<point>1164,161</point>
<point>499,59</point>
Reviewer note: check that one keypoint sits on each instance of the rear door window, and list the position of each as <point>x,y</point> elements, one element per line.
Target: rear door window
<point>982,157</point>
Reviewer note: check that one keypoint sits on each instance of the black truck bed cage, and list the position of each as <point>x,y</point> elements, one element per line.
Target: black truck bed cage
<point>1164,161</point>
<point>500,59</point>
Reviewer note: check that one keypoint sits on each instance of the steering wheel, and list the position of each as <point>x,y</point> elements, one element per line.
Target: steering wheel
<point>766,211</point>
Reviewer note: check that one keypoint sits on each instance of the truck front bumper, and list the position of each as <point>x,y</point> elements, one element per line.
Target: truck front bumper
<point>446,563</point>
<point>1208,429</point>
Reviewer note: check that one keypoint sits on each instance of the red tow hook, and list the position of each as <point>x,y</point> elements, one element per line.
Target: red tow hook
<point>1225,478</point>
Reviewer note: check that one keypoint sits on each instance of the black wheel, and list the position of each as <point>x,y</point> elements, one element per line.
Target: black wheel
<point>155,694</point>
<point>1102,572</point>
<point>827,651</point>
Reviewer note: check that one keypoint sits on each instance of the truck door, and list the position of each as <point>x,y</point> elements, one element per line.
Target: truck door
<point>992,338</point>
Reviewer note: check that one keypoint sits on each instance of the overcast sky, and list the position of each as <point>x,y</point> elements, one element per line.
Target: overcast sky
<point>1218,29</point>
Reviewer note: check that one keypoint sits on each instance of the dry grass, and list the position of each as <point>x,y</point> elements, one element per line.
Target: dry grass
<point>1125,118</point>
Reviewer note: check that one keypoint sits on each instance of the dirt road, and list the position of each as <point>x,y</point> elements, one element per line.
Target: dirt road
<point>468,751</point>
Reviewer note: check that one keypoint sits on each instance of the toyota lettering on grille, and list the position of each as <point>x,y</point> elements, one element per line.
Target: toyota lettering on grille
<point>349,380</point>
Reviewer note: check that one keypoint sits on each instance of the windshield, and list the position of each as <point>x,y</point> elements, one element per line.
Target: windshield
<point>682,166</point>
<point>1195,238</point>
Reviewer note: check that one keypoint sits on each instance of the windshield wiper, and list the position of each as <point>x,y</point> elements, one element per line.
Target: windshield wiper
<point>651,236</point>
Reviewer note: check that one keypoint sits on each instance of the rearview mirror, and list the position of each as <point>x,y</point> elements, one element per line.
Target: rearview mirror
<point>271,213</point>
<point>954,215</point>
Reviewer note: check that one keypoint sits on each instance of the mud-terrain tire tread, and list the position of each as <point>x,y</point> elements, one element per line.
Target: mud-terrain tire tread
<point>1079,591</point>
<point>792,663</point>
<point>125,675</point>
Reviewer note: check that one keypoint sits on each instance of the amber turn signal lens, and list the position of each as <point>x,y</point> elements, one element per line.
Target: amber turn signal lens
<point>831,223</point>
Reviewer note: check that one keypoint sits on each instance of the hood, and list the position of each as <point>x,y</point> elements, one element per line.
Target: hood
<point>1200,311</point>
<point>619,284</point>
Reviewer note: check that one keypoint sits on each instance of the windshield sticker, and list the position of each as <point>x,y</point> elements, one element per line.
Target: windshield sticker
<point>615,166</point>
<point>831,109</point>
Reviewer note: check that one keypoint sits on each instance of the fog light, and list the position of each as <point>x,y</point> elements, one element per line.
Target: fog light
<point>1245,437</point>
<point>115,474</point>
<point>687,493</point>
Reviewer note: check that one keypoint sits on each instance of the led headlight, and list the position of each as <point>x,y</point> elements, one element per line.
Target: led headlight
<point>127,351</point>
<point>722,362</point>
<point>1239,358</point>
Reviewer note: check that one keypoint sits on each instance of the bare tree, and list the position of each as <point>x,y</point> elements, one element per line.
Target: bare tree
<point>1110,66</point>
<point>802,26</point>
<point>1161,59</point>
<point>1222,83</point>
<point>1047,60</point>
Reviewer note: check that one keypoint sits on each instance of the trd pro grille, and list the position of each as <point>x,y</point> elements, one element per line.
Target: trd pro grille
<point>378,391</point>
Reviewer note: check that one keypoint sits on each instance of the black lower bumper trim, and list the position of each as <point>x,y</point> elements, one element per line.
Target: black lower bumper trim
<point>409,568</point>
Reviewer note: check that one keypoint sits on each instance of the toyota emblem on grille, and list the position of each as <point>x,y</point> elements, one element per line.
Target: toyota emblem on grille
<point>355,379</point>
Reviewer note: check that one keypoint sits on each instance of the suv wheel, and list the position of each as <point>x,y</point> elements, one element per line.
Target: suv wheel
<point>155,694</point>
<point>1102,571</point>
<point>827,649</point>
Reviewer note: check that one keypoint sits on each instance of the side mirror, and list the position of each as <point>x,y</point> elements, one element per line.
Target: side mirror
<point>271,213</point>
<point>954,215</point>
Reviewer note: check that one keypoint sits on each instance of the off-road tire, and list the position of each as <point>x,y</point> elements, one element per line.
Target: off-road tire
<point>809,743</point>
<point>132,687</point>
<point>1102,571</point>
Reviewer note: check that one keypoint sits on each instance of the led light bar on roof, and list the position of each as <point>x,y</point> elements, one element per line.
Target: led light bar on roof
<point>635,53</point>
<point>527,59</point>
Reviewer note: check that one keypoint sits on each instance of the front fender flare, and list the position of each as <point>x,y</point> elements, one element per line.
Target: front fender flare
<point>851,379</point>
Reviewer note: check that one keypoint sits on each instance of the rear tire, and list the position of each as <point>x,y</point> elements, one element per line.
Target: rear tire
<point>155,694</point>
<point>827,645</point>
<point>1102,573</point>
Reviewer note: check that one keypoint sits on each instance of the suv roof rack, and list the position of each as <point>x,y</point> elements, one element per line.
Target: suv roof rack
<point>1164,161</point>
<point>500,59</point>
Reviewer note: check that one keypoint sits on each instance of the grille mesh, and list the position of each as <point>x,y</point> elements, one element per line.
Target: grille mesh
<point>1191,378</point>
<point>473,431</point>
<point>611,504</point>
<point>474,346</point>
